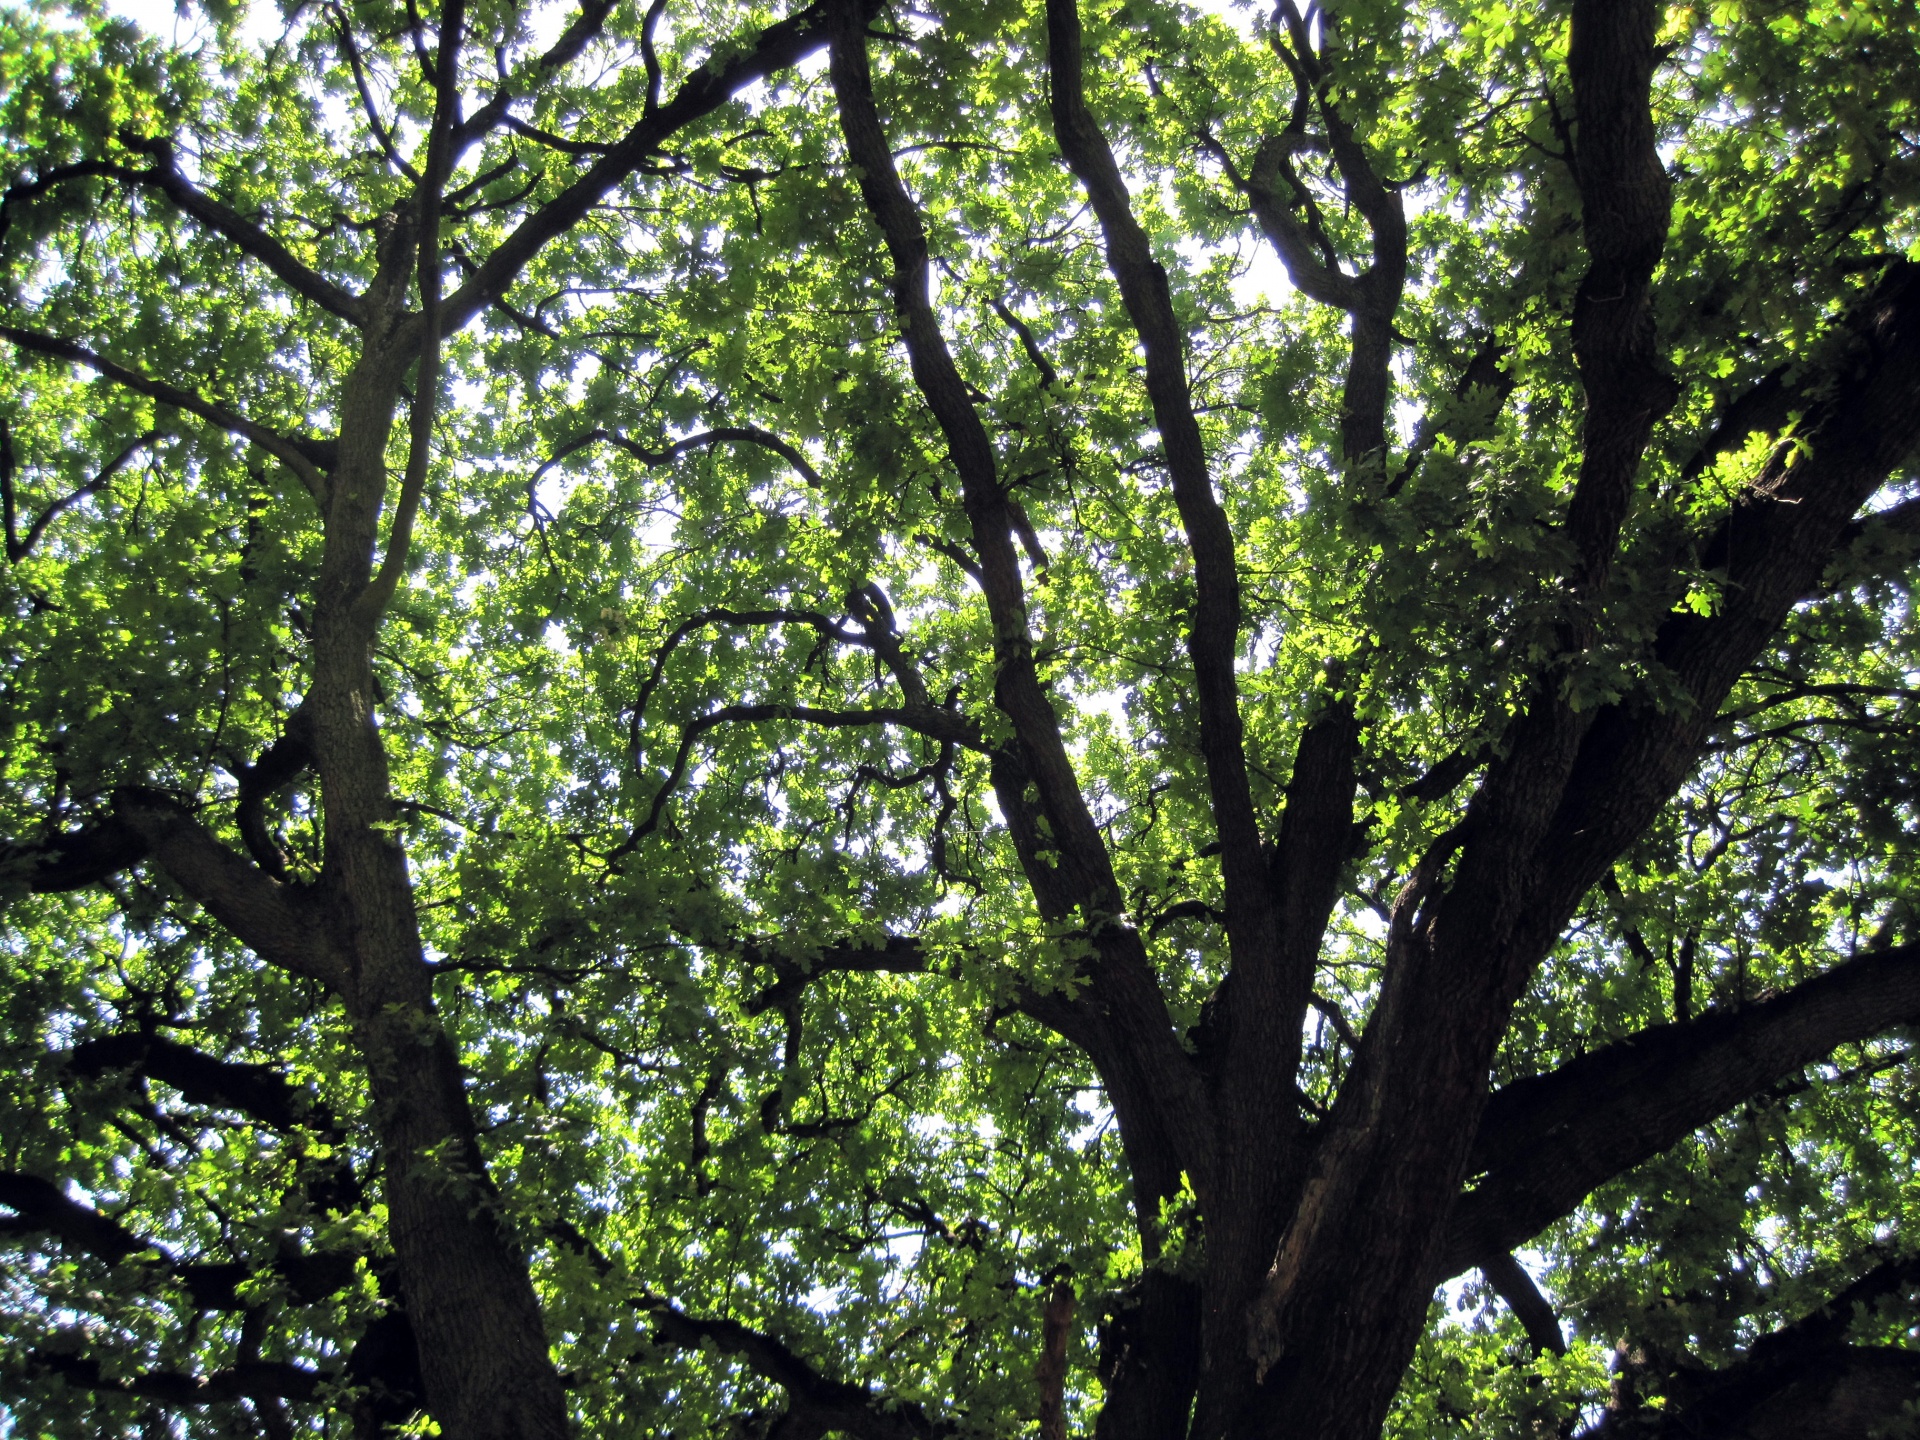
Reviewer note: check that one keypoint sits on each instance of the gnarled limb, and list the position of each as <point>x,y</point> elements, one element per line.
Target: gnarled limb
<point>279,765</point>
<point>564,51</point>
<point>895,955</point>
<point>943,725</point>
<point>40,1206</point>
<point>1373,294</point>
<point>429,323</point>
<point>251,239</point>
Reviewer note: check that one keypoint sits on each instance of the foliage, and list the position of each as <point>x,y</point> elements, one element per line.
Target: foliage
<point>690,532</point>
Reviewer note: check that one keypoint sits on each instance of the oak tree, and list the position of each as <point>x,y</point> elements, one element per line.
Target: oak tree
<point>913,720</point>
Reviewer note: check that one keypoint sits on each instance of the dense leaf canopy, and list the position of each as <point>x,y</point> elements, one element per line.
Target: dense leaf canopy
<point>883,719</point>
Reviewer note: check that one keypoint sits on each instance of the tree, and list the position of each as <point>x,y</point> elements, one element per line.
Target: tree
<point>711,729</point>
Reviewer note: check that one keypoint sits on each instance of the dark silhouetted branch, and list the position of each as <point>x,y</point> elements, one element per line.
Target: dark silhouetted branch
<point>1546,1143</point>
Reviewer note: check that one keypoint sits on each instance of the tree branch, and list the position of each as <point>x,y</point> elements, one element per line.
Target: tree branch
<point>822,1404</point>
<point>75,860</point>
<point>1373,295</point>
<point>943,725</point>
<point>250,1380</point>
<point>705,90</point>
<point>279,923</point>
<point>1872,547</point>
<point>1050,1372</point>
<point>1213,631</point>
<point>165,177</point>
<point>1626,202</point>
<point>564,51</point>
<point>428,197</point>
<point>895,955</point>
<point>1123,1019</point>
<point>40,1208</point>
<point>279,765</point>
<point>1774,546</point>
<point>1532,1309</point>
<point>1546,1143</point>
<point>724,435</point>
<point>20,546</point>
<point>303,457</point>
<point>1803,1379</point>
<point>258,1091</point>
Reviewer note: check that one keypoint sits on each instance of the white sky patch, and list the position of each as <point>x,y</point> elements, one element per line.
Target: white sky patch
<point>1263,280</point>
<point>181,25</point>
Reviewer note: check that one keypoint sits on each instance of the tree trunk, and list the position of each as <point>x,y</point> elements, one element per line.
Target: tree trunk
<point>468,1292</point>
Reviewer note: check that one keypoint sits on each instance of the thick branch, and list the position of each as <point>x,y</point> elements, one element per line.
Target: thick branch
<point>258,1091</point>
<point>1050,1373</point>
<point>1862,424</point>
<point>40,1208</point>
<point>75,860</point>
<point>1532,1309</point>
<point>429,197</point>
<point>1125,1024</point>
<point>1546,1143</point>
<point>896,955</point>
<point>1090,883</point>
<point>1801,1380</point>
<point>1311,271</point>
<point>1626,201</point>
<point>298,277</point>
<point>165,177</point>
<point>279,765</point>
<point>279,923</point>
<point>1373,295</point>
<point>1873,547</point>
